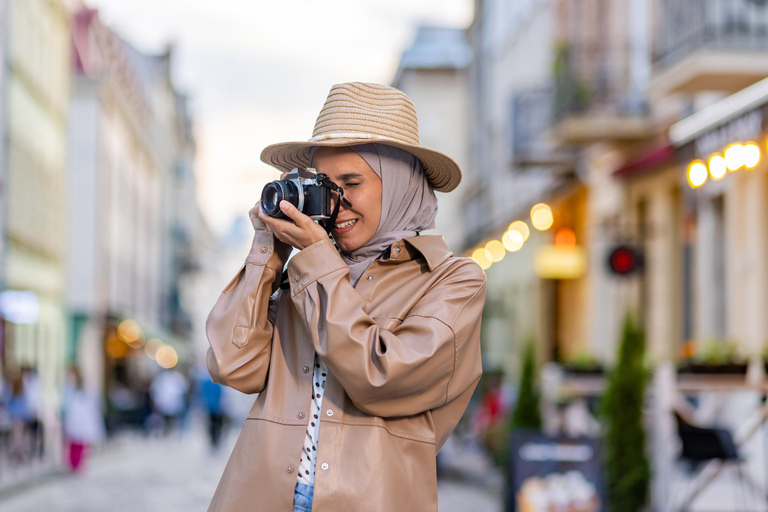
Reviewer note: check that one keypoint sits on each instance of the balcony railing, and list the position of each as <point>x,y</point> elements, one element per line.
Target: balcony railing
<point>687,26</point>
<point>532,117</point>
<point>594,78</point>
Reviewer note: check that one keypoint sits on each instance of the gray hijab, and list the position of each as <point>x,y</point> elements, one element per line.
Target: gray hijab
<point>408,203</point>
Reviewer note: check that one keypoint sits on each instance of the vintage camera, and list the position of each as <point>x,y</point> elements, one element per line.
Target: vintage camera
<point>305,189</point>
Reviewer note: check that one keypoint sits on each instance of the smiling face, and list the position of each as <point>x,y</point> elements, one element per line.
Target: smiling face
<point>362,187</point>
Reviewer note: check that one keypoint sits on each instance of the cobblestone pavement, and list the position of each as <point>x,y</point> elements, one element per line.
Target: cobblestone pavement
<point>179,473</point>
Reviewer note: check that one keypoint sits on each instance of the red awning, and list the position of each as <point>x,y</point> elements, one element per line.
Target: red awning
<point>646,160</point>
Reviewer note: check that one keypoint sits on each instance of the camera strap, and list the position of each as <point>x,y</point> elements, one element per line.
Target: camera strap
<point>326,182</point>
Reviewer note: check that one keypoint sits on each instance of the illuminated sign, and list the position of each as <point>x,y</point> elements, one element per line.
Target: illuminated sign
<point>20,307</point>
<point>556,262</point>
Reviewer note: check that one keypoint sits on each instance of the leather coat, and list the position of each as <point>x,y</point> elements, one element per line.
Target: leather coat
<point>403,353</point>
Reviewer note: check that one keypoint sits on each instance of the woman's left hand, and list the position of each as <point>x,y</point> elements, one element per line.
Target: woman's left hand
<point>300,231</point>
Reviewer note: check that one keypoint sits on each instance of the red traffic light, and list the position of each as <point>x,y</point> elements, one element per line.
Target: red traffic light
<point>624,260</point>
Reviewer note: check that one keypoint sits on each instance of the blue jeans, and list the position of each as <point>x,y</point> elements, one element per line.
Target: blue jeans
<point>302,498</point>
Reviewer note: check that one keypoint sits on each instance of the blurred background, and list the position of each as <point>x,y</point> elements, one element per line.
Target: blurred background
<point>615,192</point>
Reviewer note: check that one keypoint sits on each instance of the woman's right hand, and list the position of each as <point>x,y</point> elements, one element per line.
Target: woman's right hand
<point>282,249</point>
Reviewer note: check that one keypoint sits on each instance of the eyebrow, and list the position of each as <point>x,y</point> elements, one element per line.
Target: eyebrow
<point>350,176</point>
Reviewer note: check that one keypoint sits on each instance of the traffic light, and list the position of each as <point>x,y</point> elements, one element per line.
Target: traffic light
<point>624,260</point>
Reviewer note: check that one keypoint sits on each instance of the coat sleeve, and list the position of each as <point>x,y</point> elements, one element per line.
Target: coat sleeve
<point>425,362</point>
<point>240,325</point>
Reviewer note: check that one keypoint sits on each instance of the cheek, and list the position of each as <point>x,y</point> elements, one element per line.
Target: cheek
<point>372,209</point>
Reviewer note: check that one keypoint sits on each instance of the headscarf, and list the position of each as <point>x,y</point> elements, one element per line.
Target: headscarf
<point>408,203</point>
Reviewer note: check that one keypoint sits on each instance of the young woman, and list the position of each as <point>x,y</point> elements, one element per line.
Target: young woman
<point>365,356</point>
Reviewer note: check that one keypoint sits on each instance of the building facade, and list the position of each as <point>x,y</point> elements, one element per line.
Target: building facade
<point>36,85</point>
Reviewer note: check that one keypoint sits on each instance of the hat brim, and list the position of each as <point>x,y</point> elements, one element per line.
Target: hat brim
<point>442,172</point>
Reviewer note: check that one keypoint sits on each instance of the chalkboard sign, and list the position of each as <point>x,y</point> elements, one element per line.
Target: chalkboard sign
<point>549,474</point>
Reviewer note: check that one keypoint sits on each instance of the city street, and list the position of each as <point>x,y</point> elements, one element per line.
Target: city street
<point>168,475</point>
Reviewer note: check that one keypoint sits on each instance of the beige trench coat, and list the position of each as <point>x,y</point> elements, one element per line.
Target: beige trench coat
<point>403,353</point>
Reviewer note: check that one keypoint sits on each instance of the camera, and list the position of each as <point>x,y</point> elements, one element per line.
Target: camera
<point>305,189</point>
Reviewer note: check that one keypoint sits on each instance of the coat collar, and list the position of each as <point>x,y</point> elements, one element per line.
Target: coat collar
<point>431,247</point>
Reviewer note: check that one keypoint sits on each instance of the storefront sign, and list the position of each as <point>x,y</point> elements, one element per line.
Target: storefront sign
<point>748,127</point>
<point>555,262</point>
<point>554,473</point>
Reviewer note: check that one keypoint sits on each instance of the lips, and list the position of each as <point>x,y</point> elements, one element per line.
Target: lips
<point>344,226</point>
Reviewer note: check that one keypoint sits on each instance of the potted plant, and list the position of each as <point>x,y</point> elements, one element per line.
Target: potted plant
<point>715,356</point>
<point>627,470</point>
<point>583,362</point>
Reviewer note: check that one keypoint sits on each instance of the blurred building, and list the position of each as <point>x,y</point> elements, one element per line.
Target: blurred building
<point>516,167</point>
<point>35,88</point>
<point>572,103</point>
<point>433,72</point>
<point>638,126</point>
<point>134,219</point>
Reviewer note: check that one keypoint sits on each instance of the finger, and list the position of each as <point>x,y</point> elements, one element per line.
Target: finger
<point>294,214</point>
<point>254,212</point>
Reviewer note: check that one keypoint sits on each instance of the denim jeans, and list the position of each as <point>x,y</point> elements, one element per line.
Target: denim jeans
<point>302,498</point>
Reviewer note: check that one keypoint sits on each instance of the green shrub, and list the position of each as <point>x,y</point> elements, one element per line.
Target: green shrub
<point>527,414</point>
<point>627,469</point>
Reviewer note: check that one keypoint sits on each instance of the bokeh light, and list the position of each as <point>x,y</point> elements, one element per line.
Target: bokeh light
<point>520,227</point>
<point>483,258</point>
<point>130,332</point>
<point>734,156</point>
<point>166,356</point>
<point>541,217</point>
<point>512,240</point>
<point>717,167</point>
<point>697,173</point>
<point>496,249</point>
<point>751,155</point>
<point>565,237</point>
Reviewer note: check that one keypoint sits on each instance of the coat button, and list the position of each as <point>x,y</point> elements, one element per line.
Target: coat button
<point>263,250</point>
<point>296,278</point>
<point>290,468</point>
<point>397,249</point>
<point>369,278</point>
<point>324,465</point>
<point>305,368</point>
<point>329,412</point>
<point>300,415</point>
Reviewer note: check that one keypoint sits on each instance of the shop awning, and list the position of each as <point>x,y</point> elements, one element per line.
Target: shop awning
<point>647,160</point>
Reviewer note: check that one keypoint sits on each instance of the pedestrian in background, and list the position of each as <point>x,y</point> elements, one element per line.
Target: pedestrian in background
<point>19,416</point>
<point>211,397</point>
<point>169,398</point>
<point>365,352</point>
<point>83,420</point>
<point>33,395</point>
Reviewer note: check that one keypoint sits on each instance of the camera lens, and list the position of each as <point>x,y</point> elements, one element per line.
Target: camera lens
<point>276,191</point>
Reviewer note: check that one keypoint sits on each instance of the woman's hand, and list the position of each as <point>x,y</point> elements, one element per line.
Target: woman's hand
<point>283,250</point>
<point>300,231</point>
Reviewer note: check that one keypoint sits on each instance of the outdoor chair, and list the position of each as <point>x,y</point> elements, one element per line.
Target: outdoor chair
<point>706,452</point>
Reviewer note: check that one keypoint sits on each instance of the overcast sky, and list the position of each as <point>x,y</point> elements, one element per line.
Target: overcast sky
<point>258,71</point>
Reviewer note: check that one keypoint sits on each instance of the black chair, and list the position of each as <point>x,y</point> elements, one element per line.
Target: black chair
<point>704,448</point>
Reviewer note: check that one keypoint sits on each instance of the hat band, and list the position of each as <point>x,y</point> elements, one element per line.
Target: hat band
<point>354,135</point>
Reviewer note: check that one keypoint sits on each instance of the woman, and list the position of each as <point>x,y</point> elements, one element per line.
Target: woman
<point>387,321</point>
<point>83,419</point>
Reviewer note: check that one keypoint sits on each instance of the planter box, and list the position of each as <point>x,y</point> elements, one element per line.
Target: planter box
<point>713,369</point>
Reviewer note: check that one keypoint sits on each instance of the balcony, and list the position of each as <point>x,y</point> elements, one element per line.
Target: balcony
<point>710,45</point>
<point>532,116</point>
<point>593,99</point>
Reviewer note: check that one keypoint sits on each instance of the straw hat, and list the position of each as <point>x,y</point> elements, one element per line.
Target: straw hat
<point>361,113</point>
